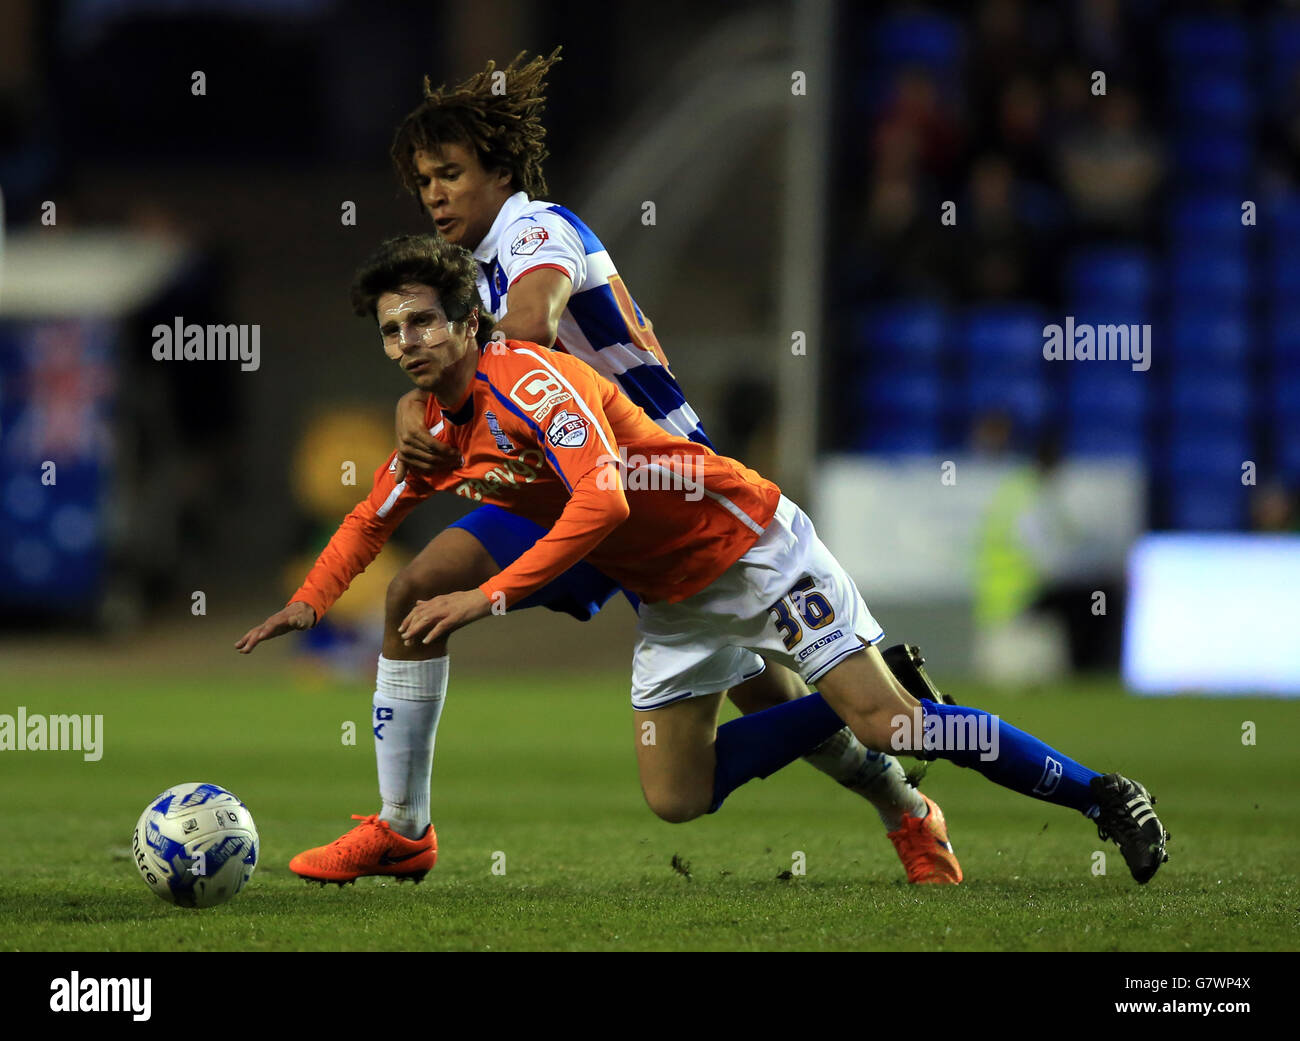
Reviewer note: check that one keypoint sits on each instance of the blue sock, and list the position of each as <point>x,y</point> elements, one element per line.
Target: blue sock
<point>1022,763</point>
<point>760,744</point>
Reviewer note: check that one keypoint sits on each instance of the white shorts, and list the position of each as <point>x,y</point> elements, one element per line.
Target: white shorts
<point>787,599</point>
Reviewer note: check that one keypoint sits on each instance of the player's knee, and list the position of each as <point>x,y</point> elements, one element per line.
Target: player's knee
<point>407,587</point>
<point>677,807</point>
<point>676,811</point>
<point>401,595</point>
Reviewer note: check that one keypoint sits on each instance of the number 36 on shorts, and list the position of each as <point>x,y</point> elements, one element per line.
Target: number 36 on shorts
<point>820,621</point>
<point>801,604</point>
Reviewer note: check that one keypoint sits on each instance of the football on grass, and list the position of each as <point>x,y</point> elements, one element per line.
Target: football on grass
<point>196,845</point>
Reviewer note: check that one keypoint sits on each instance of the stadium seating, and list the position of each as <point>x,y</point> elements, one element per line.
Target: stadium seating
<point>924,39</point>
<point>1202,483</point>
<point>898,396</point>
<point>1110,275</point>
<point>1200,505</point>
<point>1210,278</point>
<point>905,334</point>
<point>898,440</point>
<point>1281,44</point>
<point>1205,219</point>
<point>1284,425</point>
<point>1222,103</point>
<point>1222,298</point>
<point>900,412</point>
<point>1106,412</point>
<point>919,38</point>
<point>1207,336</point>
<point>1211,395</point>
<point>1283,343</point>
<point>1002,338</point>
<point>1208,42</point>
<point>1025,398</point>
<point>1209,160</point>
<point>1283,275</point>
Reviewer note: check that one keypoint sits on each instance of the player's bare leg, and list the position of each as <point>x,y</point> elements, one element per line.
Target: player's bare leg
<point>675,756</point>
<point>680,765</point>
<point>410,688</point>
<point>878,778</point>
<point>688,764</point>
<point>865,694</point>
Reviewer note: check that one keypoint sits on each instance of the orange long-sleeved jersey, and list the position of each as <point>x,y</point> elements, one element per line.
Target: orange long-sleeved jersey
<point>542,434</point>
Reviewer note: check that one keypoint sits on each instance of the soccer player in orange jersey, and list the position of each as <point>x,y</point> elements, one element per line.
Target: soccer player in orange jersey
<point>726,568</point>
<point>472,154</point>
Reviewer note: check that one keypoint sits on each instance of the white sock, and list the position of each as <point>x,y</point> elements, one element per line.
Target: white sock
<point>407,706</point>
<point>878,778</point>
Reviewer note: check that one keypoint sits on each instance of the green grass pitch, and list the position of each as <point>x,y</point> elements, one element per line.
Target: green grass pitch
<point>542,772</point>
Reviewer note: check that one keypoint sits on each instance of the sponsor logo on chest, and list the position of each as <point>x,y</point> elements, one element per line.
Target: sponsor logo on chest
<point>502,478</point>
<point>538,392</point>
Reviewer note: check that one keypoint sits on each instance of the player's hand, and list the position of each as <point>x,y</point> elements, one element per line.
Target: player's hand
<point>416,447</point>
<point>296,616</point>
<point>443,615</point>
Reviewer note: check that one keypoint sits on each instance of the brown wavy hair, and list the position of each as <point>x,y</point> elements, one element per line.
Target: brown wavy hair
<point>505,129</point>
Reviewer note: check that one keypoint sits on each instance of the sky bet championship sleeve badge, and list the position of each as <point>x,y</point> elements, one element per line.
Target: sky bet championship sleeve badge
<point>528,241</point>
<point>567,430</point>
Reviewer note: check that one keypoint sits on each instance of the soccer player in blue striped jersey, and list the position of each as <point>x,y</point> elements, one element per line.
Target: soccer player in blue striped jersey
<point>472,154</point>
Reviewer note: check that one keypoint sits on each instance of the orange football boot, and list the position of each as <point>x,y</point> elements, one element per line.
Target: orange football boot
<point>371,848</point>
<point>924,849</point>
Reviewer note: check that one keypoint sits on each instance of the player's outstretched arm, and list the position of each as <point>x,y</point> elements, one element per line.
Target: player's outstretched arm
<point>296,616</point>
<point>349,551</point>
<point>417,449</point>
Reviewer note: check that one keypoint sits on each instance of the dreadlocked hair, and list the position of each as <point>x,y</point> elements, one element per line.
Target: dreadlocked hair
<point>505,129</point>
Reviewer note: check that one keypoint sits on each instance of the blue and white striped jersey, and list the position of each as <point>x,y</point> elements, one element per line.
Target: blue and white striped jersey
<point>602,324</point>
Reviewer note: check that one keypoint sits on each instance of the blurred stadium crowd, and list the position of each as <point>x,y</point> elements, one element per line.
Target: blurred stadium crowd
<point>1117,161</point>
<point>1120,207</point>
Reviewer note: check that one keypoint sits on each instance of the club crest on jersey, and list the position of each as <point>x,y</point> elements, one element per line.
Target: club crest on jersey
<point>504,444</point>
<point>528,241</point>
<point>567,430</point>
